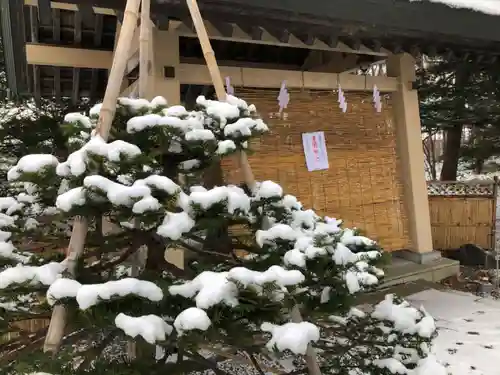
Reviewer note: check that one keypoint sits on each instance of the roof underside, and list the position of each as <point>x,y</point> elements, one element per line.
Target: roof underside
<point>423,21</point>
<point>380,25</point>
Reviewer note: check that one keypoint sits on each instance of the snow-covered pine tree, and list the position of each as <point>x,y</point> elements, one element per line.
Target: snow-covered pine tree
<point>232,296</point>
<point>26,127</point>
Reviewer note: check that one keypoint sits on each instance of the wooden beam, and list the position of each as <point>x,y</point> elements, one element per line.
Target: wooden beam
<point>130,89</point>
<point>37,87</point>
<point>352,42</point>
<point>251,33</point>
<point>98,25</point>
<point>134,45</point>
<point>270,78</point>
<point>75,95</point>
<point>39,54</point>
<point>133,54</point>
<point>256,35</point>
<point>34,28</point>
<point>337,63</point>
<point>308,39</point>
<point>282,35</point>
<point>254,32</point>
<point>197,74</point>
<point>44,12</point>
<point>242,64</point>
<point>77,38</point>
<point>86,12</point>
<point>57,84</point>
<point>73,7</point>
<point>132,63</point>
<point>93,84</point>
<point>224,28</point>
<point>56,25</point>
<point>374,44</point>
<point>12,23</point>
<point>315,58</point>
<point>331,40</point>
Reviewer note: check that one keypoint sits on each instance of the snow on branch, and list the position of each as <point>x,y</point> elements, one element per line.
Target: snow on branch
<point>291,336</point>
<point>90,294</point>
<point>20,274</point>
<point>212,288</point>
<point>192,319</point>
<point>151,328</point>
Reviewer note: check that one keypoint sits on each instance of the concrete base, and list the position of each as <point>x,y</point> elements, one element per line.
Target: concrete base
<point>402,271</point>
<point>419,258</point>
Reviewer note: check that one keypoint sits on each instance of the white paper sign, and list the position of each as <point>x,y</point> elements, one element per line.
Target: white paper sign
<point>315,151</point>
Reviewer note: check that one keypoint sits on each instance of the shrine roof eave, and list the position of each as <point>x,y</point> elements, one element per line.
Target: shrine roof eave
<point>391,26</point>
<point>421,19</point>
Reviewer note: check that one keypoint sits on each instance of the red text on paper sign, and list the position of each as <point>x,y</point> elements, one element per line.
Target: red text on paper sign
<point>315,148</point>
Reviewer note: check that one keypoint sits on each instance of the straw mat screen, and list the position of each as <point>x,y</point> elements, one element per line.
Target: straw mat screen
<point>362,185</point>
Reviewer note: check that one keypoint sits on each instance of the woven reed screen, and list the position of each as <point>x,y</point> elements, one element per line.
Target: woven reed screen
<point>362,185</point>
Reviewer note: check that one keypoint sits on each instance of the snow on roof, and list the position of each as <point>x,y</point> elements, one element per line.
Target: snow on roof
<point>484,6</point>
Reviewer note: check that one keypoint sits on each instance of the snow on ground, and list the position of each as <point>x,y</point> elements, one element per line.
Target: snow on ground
<point>469,333</point>
<point>469,330</point>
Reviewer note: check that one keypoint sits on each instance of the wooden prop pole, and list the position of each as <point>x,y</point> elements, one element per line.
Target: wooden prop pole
<point>213,68</point>
<point>118,68</point>
<point>144,48</point>
<point>76,246</point>
<point>220,90</point>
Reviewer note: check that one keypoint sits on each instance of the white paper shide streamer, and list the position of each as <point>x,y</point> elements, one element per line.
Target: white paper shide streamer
<point>283,97</point>
<point>377,101</point>
<point>229,88</point>
<point>342,101</point>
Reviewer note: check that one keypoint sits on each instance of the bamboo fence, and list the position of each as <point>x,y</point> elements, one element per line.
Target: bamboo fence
<point>463,213</point>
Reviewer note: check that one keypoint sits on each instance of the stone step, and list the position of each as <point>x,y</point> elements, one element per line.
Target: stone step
<point>403,271</point>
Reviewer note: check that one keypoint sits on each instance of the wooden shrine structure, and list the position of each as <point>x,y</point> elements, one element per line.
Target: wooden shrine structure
<point>375,179</point>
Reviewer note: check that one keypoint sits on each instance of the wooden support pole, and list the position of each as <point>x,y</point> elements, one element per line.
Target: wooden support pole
<point>144,48</point>
<point>76,246</point>
<point>213,68</point>
<point>118,69</point>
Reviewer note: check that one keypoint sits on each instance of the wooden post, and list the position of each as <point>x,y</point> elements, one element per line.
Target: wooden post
<point>406,115</point>
<point>220,91</point>
<point>213,68</point>
<point>144,48</point>
<point>57,325</point>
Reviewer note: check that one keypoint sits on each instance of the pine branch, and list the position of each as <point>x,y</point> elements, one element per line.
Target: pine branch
<point>29,344</point>
<point>256,364</point>
<point>227,257</point>
<point>96,351</point>
<point>211,365</point>
<point>125,255</point>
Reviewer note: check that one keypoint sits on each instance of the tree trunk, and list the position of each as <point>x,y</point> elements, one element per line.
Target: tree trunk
<point>478,166</point>
<point>451,153</point>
